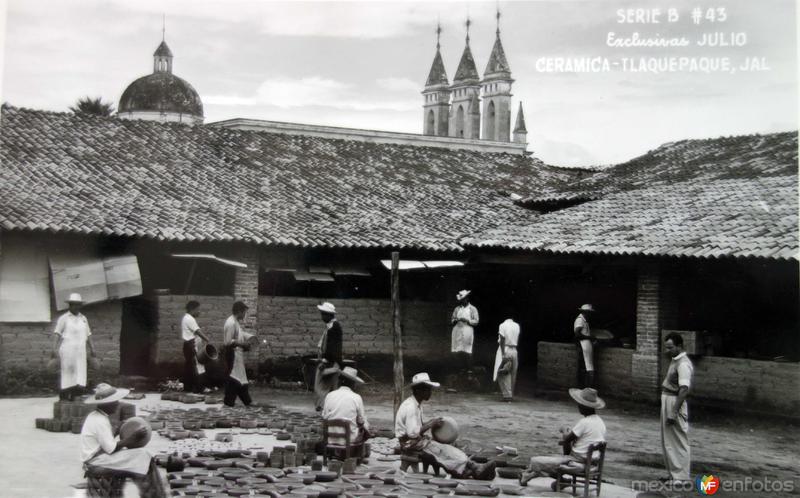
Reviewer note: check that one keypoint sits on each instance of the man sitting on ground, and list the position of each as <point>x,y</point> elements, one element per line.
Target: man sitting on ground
<point>576,441</point>
<point>410,431</point>
<point>345,403</point>
<point>99,448</point>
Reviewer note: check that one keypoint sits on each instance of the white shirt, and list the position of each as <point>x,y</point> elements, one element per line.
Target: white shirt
<point>345,404</point>
<point>96,436</point>
<point>73,327</point>
<point>509,330</point>
<point>188,327</point>
<point>583,326</point>
<point>589,430</point>
<point>409,418</point>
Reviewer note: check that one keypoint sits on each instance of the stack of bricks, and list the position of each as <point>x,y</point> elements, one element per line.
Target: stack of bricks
<point>30,344</point>
<point>68,416</point>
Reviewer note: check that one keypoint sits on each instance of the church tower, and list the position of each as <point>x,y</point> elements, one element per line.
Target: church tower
<point>520,132</point>
<point>465,118</point>
<point>496,86</point>
<point>437,96</point>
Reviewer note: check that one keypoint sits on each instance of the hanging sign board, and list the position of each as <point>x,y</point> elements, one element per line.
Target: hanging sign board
<point>78,273</point>
<point>122,277</point>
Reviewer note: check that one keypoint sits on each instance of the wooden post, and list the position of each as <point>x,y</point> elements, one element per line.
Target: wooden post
<point>397,334</point>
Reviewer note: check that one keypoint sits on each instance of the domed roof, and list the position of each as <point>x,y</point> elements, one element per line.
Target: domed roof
<point>163,92</point>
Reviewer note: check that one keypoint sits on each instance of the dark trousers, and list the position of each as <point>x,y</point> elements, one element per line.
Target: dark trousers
<point>234,388</point>
<point>189,370</point>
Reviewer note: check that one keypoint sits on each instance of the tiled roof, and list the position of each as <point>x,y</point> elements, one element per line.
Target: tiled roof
<point>749,156</point>
<point>94,175</point>
<point>730,197</point>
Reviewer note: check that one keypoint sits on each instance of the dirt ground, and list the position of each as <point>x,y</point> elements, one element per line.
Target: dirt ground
<point>730,447</point>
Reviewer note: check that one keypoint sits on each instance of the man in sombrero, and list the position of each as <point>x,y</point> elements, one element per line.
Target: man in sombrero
<point>100,449</point>
<point>575,441</point>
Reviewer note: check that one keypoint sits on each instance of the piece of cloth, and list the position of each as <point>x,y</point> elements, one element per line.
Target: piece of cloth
<point>189,327</point>
<point>679,373</point>
<point>466,318</point>
<point>508,380</point>
<point>189,371</point>
<point>234,389</point>
<point>345,404</point>
<point>74,331</point>
<point>587,354</point>
<point>199,344</point>
<point>448,456</point>
<point>508,330</point>
<point>133,460</point>
<point>675,439</point>
<point>232,332</point>
<point>547,465</point>
<point>589,430</point>
<point>322,386</point>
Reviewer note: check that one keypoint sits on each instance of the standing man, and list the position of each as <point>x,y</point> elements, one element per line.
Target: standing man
<point>329,354</point>
<point>100,449</point>
<point>675,410</point>
<point>236,343</point>
<point>464,319</point>
<point>72,337</point>
<point>508,338</point>
<point>585,348</point>
<point>190,332</point>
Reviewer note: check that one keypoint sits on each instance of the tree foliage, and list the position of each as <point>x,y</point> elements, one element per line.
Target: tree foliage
<point>92,106</point>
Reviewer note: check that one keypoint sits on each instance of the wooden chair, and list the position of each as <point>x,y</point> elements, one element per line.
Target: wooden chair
<point>588,474</point>
<point>104,483</point>
<point>348,450</point>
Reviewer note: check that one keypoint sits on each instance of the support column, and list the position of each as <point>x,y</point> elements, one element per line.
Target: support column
<point>645,367</point>
<point>245,288</point>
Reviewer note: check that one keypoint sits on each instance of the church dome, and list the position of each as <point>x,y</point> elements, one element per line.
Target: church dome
<point>161,92</point>
<point>161,96</point>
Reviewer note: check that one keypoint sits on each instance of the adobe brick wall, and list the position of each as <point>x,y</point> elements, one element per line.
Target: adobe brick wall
<point>29,344</point>
<point>752,384</point>
<point>292,327</point>
<point>556,368</point>
<point>245,285</point>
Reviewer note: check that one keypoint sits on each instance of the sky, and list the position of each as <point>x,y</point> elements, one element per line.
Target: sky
<point>363,64</point>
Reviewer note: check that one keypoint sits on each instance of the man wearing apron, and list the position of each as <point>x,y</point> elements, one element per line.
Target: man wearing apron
<point>329,354</point>
<point>674,409</point>
<point>72,337</point>
<point>583,339</point>
<point>464,319</point>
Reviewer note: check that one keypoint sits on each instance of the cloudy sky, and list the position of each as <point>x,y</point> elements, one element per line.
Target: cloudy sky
<point>362,64</point>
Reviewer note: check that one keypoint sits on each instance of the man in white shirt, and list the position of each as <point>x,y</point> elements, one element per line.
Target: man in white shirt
<point>193,339</point>
<point>72,337</point>
<point>583,340</point>
<point>345,404</point>
<point>675,410</point>
<point>99,448</point>
<point>576,440</point>
<point>236,343</point>
<point>507,339</point>
<point>411,431</point>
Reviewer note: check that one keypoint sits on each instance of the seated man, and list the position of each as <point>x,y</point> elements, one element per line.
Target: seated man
<point>576,441</point>
<point>410,430</point>
<point>99,448</point>
<point>345,403</point>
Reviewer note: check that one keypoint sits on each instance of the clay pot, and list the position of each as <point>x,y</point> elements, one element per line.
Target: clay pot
<point>208,354</point>
<point>447,432</point>
<point>132,425</point>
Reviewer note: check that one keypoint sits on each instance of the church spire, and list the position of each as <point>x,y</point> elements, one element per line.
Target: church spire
<point>467,73</point>
<point>162,57</point>
<point>497,65</point>
<point>520,131</point>
<point>437,75</point>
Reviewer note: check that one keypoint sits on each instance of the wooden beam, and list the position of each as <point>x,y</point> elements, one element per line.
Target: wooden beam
<point>397,334</point>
